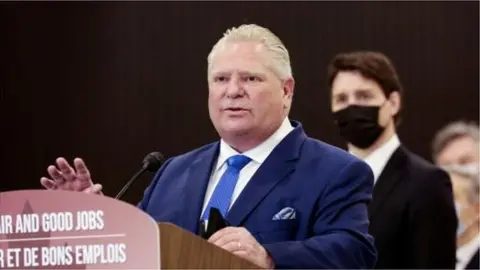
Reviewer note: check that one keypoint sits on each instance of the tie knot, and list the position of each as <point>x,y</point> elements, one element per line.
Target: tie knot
<point>238,161</point>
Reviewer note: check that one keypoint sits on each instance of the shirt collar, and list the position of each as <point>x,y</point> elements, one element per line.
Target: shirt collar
<point>465,253</point>
<point>259,153</point>
<point>379,158</point>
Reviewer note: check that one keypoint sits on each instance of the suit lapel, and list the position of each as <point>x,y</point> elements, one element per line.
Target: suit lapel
<point>387,180</point>
<point>197,177</point>
<point>279,164</point>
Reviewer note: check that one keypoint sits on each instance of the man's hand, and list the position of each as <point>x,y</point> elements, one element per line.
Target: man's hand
<point>66,178</point>
<point>240,242</point>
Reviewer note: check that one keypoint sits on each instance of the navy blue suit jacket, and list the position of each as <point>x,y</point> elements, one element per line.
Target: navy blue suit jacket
<point>328,188</point>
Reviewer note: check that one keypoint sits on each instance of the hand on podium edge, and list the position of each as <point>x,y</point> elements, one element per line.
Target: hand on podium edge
<point>240,242</point>
<point>66,178</point>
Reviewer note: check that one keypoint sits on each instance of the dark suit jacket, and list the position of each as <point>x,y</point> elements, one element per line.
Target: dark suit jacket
<point>474,262</point>
<point>412,215</point>
<point>328,189</point>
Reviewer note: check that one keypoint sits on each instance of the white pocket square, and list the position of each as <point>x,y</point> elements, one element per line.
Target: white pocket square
<point>284,214</point>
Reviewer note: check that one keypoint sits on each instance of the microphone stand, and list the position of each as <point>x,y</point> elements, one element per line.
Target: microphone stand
<point>129,183</point>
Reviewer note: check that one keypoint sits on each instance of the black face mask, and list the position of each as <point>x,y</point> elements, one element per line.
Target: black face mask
<point>359,125</point>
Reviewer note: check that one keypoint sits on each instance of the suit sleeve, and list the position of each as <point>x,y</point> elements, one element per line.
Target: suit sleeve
<point>340,227</point>
<point>148,191</point>
<point>434,223</point>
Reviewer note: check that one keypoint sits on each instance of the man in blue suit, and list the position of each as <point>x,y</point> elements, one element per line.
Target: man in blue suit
<point>291,201</point>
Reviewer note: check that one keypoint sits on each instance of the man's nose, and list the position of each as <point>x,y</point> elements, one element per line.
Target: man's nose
<point>350,101</point>
<point>235,88</point>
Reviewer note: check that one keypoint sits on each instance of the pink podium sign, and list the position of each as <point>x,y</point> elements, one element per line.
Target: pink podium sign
<point>42,229</point>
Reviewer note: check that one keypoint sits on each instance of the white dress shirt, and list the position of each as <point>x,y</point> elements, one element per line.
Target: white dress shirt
<point>257,155</point>
<point>466,252</point>
<point>377,160</point>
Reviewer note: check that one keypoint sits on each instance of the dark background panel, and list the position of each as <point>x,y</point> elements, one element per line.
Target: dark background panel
<point>113,81</point>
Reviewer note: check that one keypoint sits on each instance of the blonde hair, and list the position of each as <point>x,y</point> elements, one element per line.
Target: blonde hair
<point>252,32</point>
<point>454,131</point>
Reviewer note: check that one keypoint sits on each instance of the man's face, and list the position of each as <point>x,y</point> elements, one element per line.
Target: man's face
<point>245,95</point>
<point>460,151</point>
<point>351,88</point>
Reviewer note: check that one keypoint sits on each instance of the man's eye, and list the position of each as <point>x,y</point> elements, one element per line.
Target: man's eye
<point>364,96</point>
<point>252,79</point>
<point>341,99</point>
<point>220,79</point>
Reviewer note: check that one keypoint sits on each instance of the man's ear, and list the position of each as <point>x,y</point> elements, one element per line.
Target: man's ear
<point>288,90</point>
<point>288,87</point>
<point>395,102</point>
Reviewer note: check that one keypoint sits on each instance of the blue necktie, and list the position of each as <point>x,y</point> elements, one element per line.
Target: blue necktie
<point>222,196</point>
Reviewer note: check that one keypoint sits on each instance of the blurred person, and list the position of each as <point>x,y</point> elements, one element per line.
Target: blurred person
<point>455,147</point>
<point>466,193</point>
<point>412,214</point>
<point>292,201</point>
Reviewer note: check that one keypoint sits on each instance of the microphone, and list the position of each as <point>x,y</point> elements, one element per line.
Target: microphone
<point>216,222</point>
<point>151,163</point>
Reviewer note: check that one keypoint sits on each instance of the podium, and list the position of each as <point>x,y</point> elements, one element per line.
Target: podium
<point>182,249</point>
<point>42,229</point>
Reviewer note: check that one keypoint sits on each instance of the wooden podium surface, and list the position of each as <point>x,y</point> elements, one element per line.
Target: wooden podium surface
<point>182,249</point>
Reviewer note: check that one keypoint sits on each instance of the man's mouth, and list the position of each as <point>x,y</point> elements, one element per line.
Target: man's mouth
<point>235,109</point>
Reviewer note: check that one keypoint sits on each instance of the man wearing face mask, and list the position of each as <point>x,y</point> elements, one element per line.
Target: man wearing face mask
<point>456,149</point>
<point>412,214</point>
